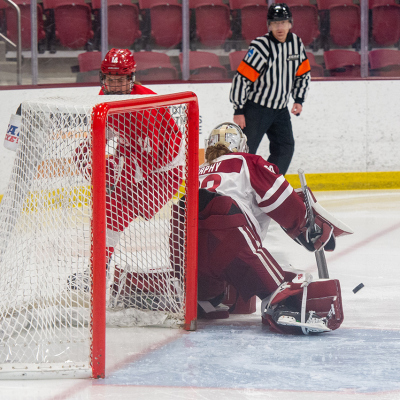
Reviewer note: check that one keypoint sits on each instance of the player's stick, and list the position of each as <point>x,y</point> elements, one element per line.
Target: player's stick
<point>110,189</point>
<point>319,254</point>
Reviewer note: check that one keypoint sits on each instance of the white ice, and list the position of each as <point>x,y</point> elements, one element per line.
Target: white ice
<point>238,358</point>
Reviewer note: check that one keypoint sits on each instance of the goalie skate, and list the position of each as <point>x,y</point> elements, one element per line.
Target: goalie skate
<point>314,323</point>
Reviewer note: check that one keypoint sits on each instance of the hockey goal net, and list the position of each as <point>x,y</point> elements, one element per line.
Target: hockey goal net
<point>98,225</point>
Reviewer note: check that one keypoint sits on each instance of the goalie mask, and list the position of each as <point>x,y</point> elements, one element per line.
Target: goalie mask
<point>117,73</point>
<point>230,135</point>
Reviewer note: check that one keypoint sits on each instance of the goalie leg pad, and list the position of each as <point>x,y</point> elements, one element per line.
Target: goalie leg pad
<point>323,309</point>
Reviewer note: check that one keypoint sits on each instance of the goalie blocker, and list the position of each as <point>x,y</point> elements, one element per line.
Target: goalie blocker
<point>327,228</point>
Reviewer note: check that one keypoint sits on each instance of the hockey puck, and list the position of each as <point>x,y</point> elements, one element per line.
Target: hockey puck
<point>358,287</point>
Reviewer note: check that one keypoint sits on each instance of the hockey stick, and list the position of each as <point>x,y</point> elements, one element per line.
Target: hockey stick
<point>110,189</point>
<point>319,254</point>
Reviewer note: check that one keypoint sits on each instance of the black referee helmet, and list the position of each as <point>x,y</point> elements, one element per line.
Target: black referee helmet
<point>279,12</point>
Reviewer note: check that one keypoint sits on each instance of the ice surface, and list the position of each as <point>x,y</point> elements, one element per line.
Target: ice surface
<point>239,358</point>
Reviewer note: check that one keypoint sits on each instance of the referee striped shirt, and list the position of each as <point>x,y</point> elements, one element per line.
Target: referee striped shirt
<point>270,72</point>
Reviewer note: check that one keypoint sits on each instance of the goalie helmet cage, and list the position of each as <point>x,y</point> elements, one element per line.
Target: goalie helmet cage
<point>61,280</point>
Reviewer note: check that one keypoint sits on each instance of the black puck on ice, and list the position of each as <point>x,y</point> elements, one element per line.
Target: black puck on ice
<point>358,287</point>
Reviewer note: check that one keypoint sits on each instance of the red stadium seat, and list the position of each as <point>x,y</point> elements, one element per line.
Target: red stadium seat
<point>342,63</point>
<point>162,22</point>
<point>123,22</point>
<point>205,66</point>
<point>384,62</point>
<point>316,69</point>
<point>343,18</point>
<point>89,67</point>
<point>11,22</point>
<point>250,17</point>
<point>195,3</point>
<point>212,19</point>
<point>147,4</point>
<point>154,66</point>
<point>305,21</point>
<point>89,61</point>
<point>235,58</point>
<point>3,25</point>
<point>385,22</point>
<point>73,23</point>
<point>47,4</point>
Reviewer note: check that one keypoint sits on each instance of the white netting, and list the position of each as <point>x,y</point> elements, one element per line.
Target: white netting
<point>46,236</point>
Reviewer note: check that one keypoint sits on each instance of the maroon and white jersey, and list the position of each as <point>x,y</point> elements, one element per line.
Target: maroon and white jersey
<point>260,192</point>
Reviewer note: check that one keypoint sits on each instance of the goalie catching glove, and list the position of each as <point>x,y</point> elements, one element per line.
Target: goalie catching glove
<point>326,228</point>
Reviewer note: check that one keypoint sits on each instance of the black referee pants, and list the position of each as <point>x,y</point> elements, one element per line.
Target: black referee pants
<point>278,127</point>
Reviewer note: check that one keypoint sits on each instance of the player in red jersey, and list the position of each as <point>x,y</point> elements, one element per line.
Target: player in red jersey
<point>239,194</point>
<point>117,74</point>
<point>144,171</point>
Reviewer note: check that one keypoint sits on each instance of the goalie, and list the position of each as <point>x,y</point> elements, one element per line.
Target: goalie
<point>239,194</point>
<point>144,171</point>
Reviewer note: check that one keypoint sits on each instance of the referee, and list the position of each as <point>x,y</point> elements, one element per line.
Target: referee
<point>275,66</point>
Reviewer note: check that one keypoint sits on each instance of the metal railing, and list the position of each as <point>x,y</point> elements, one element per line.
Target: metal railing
<point>18,45</point>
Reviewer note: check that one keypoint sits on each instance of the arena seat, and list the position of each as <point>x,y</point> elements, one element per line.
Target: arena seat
<point>212,21</point>
<point>72,23</point>
<point>305,21</point>
<point>3,26</point>
<point>162,22</point>
<point>343,63</point>
<point>147,4</point>
<point>204,65</point>
<point>385,22</point>
<point>384,62</point>
<point>154,66</point>
<point>123,22</point>
<point>317,70</point>
<point>89,61</point>
<point>89,67</point>
<point>249,18</point>
<point>343,19</point>
<point>11,23</point>
<point>195,3</point>
<point>235,58</point>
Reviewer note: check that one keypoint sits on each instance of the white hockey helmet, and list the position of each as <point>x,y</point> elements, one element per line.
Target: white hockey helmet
<point>230,135</point>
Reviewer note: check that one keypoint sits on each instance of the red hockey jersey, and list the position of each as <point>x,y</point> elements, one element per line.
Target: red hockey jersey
<point>151,139</point>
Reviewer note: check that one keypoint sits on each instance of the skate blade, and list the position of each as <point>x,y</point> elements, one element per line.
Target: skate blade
<point>314,327</point>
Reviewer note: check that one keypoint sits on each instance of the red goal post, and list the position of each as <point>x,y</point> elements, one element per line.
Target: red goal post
<point>55,222</point>
<point>99,223</point>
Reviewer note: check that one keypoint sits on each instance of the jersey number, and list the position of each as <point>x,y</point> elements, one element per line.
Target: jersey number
<point>211,182</point>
